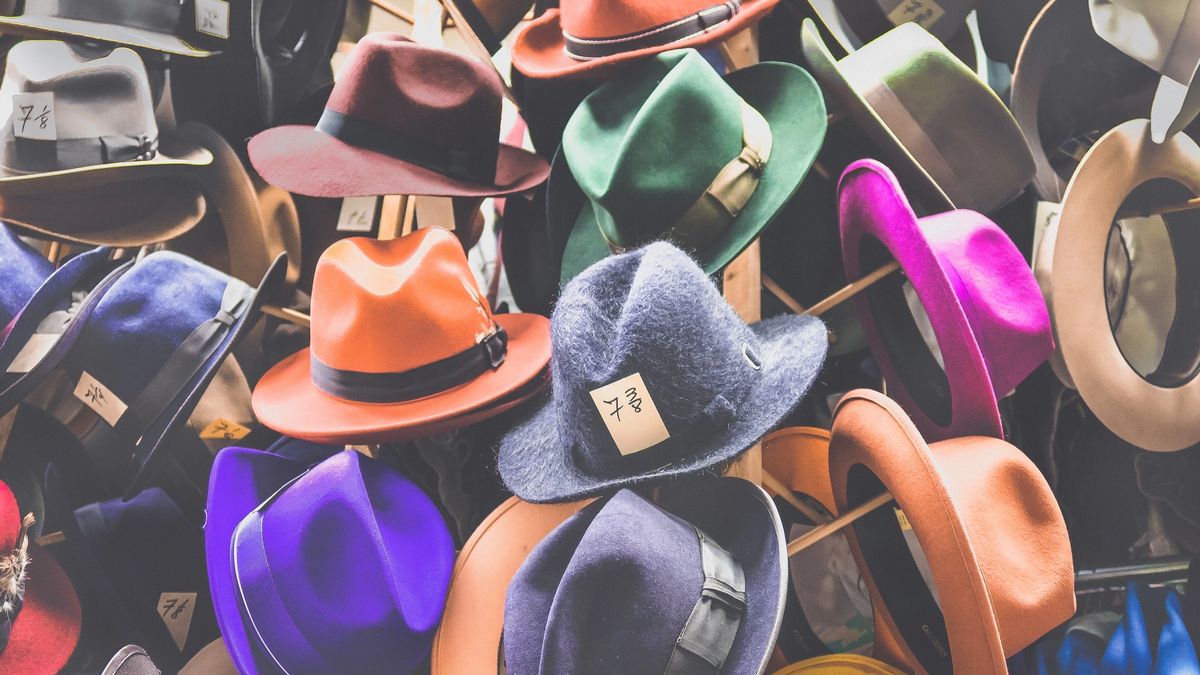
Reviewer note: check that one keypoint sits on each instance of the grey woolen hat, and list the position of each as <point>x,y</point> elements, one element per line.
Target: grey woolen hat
<point>654,376</point>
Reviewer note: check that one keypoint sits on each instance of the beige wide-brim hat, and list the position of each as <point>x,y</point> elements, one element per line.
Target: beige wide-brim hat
<point>1156,411</point>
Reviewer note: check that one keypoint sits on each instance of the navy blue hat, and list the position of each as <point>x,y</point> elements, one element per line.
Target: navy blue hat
<point>646,335</point>
<point>148,351</point>
<point>24,270</point>
<point>695,585</point>
<point>42,334</point>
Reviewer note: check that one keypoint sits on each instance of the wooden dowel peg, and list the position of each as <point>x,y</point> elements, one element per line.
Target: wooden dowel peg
<point>50,539</point>
<point>833,299</point>
<point>776,487</point>
<point>782,295</point>
<point>394,11</point>
<point>837,524</point>
<point>1189,205</point>
<point>288,314</point>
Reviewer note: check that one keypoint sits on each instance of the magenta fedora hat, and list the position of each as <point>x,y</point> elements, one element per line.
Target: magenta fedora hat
<point>972,325</point>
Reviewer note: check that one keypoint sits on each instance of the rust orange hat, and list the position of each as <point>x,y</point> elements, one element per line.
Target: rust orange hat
<point>468,641</point>
<point>402,339</point>
<point>986,521</point>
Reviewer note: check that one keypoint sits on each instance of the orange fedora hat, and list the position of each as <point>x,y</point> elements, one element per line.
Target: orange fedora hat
<point>799,458</point>
<point>587,38</point>
<point>985,520</point>
<point>401,339</point>
<point>468,641</point>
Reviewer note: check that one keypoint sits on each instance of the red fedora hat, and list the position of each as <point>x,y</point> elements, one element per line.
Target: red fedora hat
<point>403,118</point>
<point>586,38</point>
<point>402,340</point>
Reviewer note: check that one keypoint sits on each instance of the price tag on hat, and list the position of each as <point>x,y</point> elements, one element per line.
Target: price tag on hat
<point>221,429</point>
<point>358,214</point>
<point>435,212</point>
<point>924,13</point>
<point>33,116</point>
<point>630,415</point>
<point>1046,216</point>
<point>175,610</point>
<point>98,397</point>
<point>212,18</point>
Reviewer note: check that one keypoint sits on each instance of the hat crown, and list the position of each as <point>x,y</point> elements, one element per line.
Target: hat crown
<point>88,99</point>
<point>616,18</point>
<point>650,312</point>
<point>24,271</point>
<point>622,590</point>
<point>645,148</point>
<point>424,94</point>
<point>393,306</point>
<point>361,559</point>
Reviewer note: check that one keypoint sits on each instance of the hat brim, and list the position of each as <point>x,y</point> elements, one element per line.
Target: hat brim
<point>287,401</point>
<point>468,640</point>
<point>151,448</point>
<point>75,29</point>
<point>175,156</point>
<point>828,71</point>
<point>240,480</point>
<point>536,466</point>
<point>872,205</point>
<point>303,160</point>
<point>791,102</point>
<point>46,632</point>
<point>539,50</point>
<point>839,664</point>
<point>871,431</point>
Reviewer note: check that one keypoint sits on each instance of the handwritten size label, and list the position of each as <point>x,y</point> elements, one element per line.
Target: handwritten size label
<point>33,116</point>
<point>905,526</point>
<point>33,352</point>
<point>924,13</point>
<point>98,397</point>
<point>1045,218</point>
<point>630,414</point>
<point>212,18</point>
<point>357,214</point>
<point>223,429</point>
<point>176,609</point>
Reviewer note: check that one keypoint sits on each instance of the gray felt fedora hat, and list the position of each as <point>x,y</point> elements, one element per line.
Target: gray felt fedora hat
<point>654,376</point>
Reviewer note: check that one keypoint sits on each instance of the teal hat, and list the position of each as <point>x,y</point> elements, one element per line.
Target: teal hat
<point>672,150</point>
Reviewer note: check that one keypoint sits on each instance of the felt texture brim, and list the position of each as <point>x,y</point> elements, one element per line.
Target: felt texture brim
<point>75,29</point>
<point>46,630</point>
<point>175,155</point>
<point>788,98</point>
<point>539,50</point>
<point>303,160</point>
<point>536,467</point>
<point>287,401</point>
<point>839,664</point>
<point>826,68</point>
<point>872,204</point>
<point>468,640</point>
<point>240,480</point>
<point>155,441</point>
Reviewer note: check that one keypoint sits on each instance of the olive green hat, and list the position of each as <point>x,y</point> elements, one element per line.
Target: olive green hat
<point>671,150</point>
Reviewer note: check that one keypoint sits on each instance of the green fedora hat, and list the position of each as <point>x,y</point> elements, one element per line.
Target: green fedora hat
<point>949,138</point>
<point>671,150</point>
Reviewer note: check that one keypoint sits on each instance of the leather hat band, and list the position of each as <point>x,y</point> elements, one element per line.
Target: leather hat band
<point>586,49</point>
<point>36,156</point>
<point>707,636</point>
<point>431,378</point>
<point>725,197</point>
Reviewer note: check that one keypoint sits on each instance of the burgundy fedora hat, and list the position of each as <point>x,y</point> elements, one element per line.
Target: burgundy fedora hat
<point>403,118</point>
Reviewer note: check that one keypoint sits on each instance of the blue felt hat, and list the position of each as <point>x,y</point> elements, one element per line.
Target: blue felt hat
<point>1129,651</point>
<point>338,568</point>
<point>695,584</point>
<point>40,337</point>
<point>147,352</point>
<point>652,321</point>
<point>24,270</point>
<point>1176,655</point>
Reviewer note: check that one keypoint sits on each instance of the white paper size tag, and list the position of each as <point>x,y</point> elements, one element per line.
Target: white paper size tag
<point>176,611</point>
<point>212,18</point>
<point>33,116</point>
<point>924,13</point>
<point>630,414</point>
<point>33,352</point>
<point>1046,215</point>
<point>97,397</point>
<point>357,214</point>
<point>435,212</point>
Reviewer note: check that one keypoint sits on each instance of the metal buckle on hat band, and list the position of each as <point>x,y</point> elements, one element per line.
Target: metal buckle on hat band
<point>708,635</point>
<point>704,21</point>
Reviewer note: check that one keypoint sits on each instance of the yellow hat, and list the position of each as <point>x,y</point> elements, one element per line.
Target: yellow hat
<point>839,664</point>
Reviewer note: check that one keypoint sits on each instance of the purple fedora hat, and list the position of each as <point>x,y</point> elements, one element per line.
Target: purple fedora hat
<point>695,584</point>
<point>337,567</point>
<point>972,325</point>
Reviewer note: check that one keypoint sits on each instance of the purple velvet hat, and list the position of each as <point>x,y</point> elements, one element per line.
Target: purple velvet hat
<point>695,584</point>
<point>974,294</point>
<point>338,567</point>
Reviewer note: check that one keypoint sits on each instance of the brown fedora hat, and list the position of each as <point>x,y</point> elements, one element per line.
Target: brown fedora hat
<point>468,641</point>
<point>986,521</point>
<point>403,118</point>
<point>1152,409</point>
